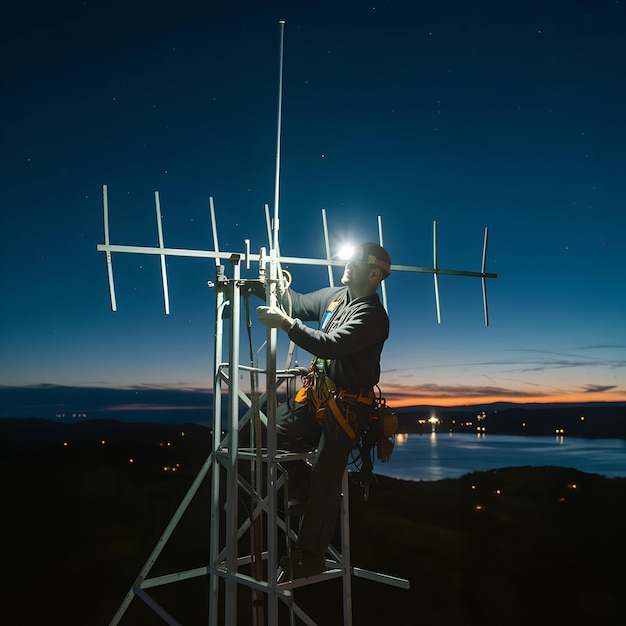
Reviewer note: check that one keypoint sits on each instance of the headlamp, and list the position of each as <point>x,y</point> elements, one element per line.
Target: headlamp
<point>370,253</point>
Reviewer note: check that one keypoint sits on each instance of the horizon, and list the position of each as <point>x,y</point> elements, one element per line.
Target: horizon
<point>80,403</point>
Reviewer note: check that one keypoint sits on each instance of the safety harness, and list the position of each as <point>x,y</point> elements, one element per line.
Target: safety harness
<point>322,393</point>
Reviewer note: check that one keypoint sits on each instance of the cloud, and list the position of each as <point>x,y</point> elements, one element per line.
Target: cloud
<point>432,390</point>
<point>45,400</point>
<point>156,407</point>
<point>598,388</point>
<point>520,365</point>
<point>566,360</point>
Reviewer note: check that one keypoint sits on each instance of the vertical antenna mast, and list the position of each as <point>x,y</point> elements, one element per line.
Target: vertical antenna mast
<point>278,134</point>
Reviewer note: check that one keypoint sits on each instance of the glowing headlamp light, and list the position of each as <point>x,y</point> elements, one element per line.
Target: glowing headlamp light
<point>365,254</point>
<point>346,252</point>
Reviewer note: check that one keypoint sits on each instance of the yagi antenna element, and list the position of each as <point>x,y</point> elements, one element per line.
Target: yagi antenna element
<point>249,257</point>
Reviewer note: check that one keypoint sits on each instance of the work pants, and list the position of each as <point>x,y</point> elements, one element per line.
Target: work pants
<point>318,486</point>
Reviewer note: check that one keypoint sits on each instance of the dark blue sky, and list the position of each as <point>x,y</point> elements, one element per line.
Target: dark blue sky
<point>500,114</point>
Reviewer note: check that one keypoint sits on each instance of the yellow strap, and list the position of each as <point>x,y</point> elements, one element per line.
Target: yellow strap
<point>343,422</point>
<point>318,390</point>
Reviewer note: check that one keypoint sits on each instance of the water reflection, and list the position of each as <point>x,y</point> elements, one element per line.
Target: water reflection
<point>401,438</point>
<point>435,456</point>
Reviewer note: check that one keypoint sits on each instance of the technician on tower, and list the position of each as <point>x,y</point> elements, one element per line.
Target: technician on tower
<point>333,408</point>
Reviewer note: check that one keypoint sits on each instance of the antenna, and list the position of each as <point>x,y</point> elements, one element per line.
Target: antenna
<point>279,133</point>
<point>105,202</point>
<point>261,257</point>
<point>383,285</point>
<point>436,273</point>
<point>331,279</point>
<point>228,570</point>
<point>166,292</point>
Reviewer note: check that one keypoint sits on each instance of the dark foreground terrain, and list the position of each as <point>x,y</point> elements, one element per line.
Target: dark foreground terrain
<point>515,546</point>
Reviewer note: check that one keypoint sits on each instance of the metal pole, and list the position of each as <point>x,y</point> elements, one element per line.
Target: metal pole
<point>436,272</point>
<point>268,223</point>
<point>484,280</point>
<point>331,279</point>
<point>233,445</point>
<point>256,482</point>
<point>214,539</point>
<point>270,382</point>
<point>383,285</point>
<point>166,295</point>
<point>105,202</point>
<point>278,134</point>
<point>214,229</point>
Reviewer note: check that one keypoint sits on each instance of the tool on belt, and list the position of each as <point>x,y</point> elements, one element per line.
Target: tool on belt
<point>322,393</point>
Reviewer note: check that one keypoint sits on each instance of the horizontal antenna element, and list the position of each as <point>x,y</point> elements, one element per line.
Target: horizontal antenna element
<point>329,262</point>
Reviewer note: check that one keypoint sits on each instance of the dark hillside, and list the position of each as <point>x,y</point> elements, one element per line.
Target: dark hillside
<point>515,546</point>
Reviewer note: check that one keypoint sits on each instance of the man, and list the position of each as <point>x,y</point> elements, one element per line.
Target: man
<point>353,326</point>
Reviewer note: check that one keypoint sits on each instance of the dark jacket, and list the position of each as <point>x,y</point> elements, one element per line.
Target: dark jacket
<point>351,334</point>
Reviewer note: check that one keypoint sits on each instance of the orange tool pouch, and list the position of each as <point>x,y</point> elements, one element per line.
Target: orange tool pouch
<point>320,392</point>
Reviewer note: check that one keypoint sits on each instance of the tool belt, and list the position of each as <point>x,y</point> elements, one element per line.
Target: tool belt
<point>321,393</point>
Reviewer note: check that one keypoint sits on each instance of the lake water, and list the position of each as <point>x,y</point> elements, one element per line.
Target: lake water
<point>450,455</point>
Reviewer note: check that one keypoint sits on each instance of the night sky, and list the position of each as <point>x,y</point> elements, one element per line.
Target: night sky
<point>500,114</point>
